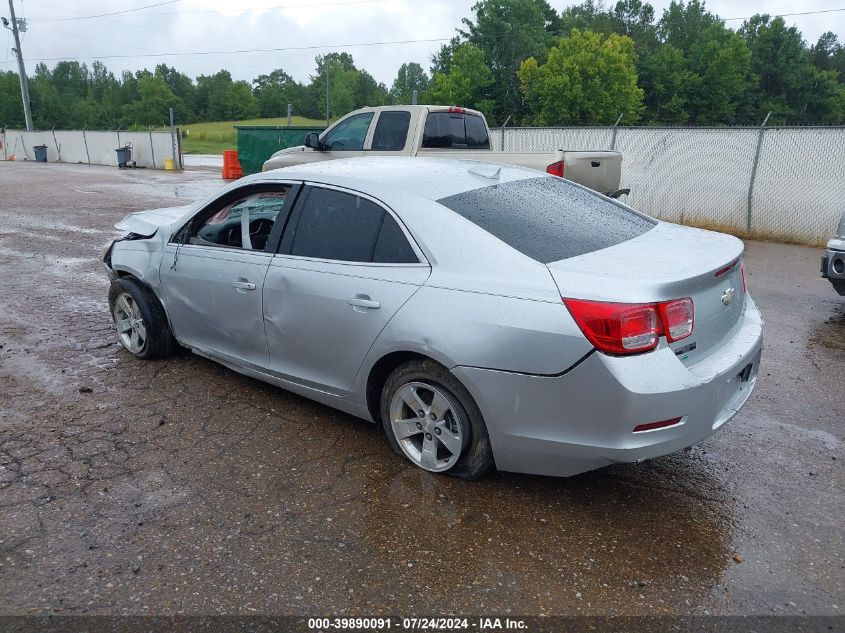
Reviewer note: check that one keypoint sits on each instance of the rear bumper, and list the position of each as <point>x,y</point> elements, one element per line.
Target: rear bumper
<point>833,268</point>
<point>584,419</point>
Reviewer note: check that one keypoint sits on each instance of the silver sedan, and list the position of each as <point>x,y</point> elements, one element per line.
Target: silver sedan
<point>484,316</point>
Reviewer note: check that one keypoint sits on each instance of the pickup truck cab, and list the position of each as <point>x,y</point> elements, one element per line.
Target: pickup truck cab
<point>833,260</point>
<point>444,132</point>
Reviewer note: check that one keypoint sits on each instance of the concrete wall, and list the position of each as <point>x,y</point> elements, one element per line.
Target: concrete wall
<point>149,149</point>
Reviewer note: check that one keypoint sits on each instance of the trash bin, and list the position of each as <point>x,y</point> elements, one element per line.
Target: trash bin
<point>40,153</point>
<point>124,155</point>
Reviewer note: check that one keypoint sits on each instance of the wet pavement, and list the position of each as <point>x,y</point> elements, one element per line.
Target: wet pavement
<point>182,487</point>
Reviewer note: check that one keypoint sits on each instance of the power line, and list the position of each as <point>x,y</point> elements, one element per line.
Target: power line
<point>104,15</point>
<point>245,50</point>
<point>132,13</point>
<point>789,15</point>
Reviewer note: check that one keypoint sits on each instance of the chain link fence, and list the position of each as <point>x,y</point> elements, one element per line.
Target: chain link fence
<point>782,183</point>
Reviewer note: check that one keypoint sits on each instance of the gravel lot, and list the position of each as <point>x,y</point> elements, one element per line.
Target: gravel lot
<point>181,487</point>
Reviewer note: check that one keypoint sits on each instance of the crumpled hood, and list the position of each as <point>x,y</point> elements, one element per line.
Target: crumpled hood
<point>146,223</point>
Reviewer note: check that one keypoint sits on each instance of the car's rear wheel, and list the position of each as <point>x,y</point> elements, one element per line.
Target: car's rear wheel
<point>140,320</point>
<point>431,419</point>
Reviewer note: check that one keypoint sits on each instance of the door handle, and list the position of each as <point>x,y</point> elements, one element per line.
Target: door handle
<point>367,304</point>
<point>243,285</point>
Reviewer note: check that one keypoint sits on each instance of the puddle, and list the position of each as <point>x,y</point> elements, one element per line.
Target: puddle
<point>830,333</point>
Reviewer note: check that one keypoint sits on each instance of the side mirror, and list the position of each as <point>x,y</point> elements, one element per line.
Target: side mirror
<point>312,140</point>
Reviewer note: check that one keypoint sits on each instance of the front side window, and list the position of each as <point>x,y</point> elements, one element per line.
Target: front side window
<point>342,226</point>
<point>391,131</point>
<point>349,134</point>
<point>243,223</point>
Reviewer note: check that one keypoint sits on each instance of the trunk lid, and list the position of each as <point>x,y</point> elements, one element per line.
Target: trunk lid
<point>668,262</point>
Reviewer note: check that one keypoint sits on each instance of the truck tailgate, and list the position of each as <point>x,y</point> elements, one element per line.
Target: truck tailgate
<point>599,170</point>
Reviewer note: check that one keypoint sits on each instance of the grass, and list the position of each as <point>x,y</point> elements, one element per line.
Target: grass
<point>213,137</point>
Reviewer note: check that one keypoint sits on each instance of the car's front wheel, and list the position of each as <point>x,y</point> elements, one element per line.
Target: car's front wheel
<point>140,320</point>
<point>431,419</point>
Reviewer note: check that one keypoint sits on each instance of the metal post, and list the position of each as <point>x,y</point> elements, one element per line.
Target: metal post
<point>173,140</point>
<point>754,170</point>
<point>290,114</point>
<point>152,150</point>
<point>414,96</point>
<point>615,130</point>
<point>85,140</point>
<point>56,143</point>
<point>179,148</point>
<point>21,69</point>
<point>504,125</point>
<point>327,93</point>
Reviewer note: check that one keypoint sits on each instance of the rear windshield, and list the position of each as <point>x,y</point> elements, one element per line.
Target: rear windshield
<point>455,130</point>
<point>549,219</point>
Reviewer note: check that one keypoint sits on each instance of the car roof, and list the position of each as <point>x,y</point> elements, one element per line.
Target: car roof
<point>429,178</point>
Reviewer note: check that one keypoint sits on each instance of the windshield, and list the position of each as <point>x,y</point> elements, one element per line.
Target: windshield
<point>549,218</point>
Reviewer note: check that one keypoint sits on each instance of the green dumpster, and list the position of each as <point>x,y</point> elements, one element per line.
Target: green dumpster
<point>256,143</point>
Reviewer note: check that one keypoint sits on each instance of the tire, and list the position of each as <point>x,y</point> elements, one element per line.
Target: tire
<point>454,441</point>
<point>136,307</point>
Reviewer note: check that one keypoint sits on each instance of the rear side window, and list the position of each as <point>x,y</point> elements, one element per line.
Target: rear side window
<point>391,131</point>
<point>549,219</point>
<point>455,130</point>
<point>345,227</point>
<point>392,246</point>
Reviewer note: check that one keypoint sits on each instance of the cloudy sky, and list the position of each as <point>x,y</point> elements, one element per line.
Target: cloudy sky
<point>194,35</point>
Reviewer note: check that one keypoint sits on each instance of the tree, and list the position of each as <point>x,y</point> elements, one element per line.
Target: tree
<point>588,79</point>
<point>183,88</point>
<point>682,24</point>
<point>829,54</point>
<point>465,83</point>
<point>507,32</point>
<point>785,80</point>
<point>409,78</point>
<point>343,80</point>
<point>211,102</point>
<point>154,102</point>
<point>368,92</point>
<point>719,66</point>
<point>666,81</point>
<point>11,105</point>
<point>275,91</point>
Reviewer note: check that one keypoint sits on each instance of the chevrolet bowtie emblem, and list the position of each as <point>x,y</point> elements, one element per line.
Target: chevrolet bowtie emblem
<point>728,296</point>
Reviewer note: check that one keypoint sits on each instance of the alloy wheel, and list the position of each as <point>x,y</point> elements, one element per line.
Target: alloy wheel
<point>427,426</point>
<point>130,324</point>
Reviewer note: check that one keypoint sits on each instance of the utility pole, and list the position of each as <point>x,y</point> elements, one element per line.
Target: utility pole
<point>327,91</point>
<point>21,70</point>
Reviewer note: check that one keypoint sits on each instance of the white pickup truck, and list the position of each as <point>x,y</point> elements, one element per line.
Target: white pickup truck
<point>422,130</point>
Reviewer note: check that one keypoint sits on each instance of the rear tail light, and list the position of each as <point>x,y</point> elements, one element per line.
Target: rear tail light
<point>556,169</point>
<point>631,328</point>
<point>742,270</point>
<point>678,319</point>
